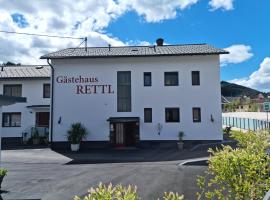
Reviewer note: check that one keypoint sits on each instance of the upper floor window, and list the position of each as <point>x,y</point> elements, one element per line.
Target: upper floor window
<point>172,114</point>
<point>147,79</point>
<point>46,90</point>
<point>124,91</point>
<point>148,115</point>
<point>14,90</point>
<point>195,77</point>
<point>171,78</point>
<point>11,120</point>
<point>196,112</point>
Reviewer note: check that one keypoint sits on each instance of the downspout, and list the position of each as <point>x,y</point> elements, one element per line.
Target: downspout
<point>52,97</point>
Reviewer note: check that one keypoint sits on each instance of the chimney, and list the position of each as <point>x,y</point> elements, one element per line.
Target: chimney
<point>159,42</point>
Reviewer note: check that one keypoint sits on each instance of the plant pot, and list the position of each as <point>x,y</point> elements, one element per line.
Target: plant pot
<point>180,145</point>
<point>1,180</point>
<point>75,147</point>
<point>35,141</point>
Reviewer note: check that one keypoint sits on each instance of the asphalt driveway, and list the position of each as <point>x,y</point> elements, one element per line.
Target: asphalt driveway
<point>45,174</point>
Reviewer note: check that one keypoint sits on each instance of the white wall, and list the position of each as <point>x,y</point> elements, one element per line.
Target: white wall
<point>33,91</point>
<point>94,109</point>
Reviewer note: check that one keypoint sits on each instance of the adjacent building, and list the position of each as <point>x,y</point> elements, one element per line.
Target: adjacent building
<point>132,95</point>
<point>32,82</point>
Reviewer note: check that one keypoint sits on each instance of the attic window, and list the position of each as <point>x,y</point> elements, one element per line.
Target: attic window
<point>39,67</point>
<point>134,50</point>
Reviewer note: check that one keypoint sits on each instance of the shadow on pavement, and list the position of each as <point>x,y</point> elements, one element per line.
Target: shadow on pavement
<point>98,156</point>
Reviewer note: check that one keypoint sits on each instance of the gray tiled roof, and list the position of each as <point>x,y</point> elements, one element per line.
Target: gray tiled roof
<point>25,71</point>
<point>136,51</point>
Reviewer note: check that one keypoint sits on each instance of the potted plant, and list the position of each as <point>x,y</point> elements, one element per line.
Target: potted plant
<point>75,134</point>
<point>3,173</point>
<point>180,142</point>
<point>35,136</point>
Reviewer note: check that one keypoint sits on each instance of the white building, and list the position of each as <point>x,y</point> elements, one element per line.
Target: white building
<point>137,95</point>
<point>32,82</point>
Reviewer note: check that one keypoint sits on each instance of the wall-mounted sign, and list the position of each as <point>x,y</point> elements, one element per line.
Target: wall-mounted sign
<point>266,106</point>
<point>86,85</point>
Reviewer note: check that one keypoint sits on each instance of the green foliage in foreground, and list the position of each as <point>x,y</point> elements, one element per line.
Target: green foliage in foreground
<point>241,173</point>
<point>103,192</point>
<point>3,172</point>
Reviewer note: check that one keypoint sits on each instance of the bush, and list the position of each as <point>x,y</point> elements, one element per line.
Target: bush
<point>76,133</point>
<point>103,192</point>
<point>3,172</point>
<point>241,173</point>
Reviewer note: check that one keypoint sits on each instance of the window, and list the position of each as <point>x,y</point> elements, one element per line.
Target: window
<point>148,115</point>
<point>147,79</point>
<point>46,90</point>
<point>124,91</point>
<point>196,114</point>
<point>11,120</point>
<point>14,90</point>
<point>171,79</point>
<point>195,77</point>
<point>172,114</point>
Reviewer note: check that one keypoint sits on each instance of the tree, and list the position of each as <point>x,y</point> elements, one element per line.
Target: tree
<point>238,174</point>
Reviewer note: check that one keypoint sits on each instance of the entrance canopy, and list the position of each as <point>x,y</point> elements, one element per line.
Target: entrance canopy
<point>123,119</point>
<point>38,106</point>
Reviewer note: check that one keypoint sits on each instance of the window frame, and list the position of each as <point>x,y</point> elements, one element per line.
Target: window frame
<point>144,76</point>
<point>167,109</point>
<point>120,98</point>
<point>200,114</point>
<point>10,122</point>
<point>5,86</point>
<point>151,115</point>
<point>171,73</point>
<point>195,82</point>
<point>44,85</point>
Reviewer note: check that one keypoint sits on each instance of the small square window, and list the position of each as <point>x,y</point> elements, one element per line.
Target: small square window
<point>148,115</point>
<point>147,79</point>
<point>196,114</point>
<point>195,77</point>
<point>171,78</point>
<point>46,90</point>
<point>172,115</point>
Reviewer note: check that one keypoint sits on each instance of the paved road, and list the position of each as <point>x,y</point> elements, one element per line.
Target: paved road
<point>45,174</point>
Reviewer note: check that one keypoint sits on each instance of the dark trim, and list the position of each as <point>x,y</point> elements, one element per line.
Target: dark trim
<point>151,117</point>
<point>171,72</point>
<point>24,78</point>
<point>200,117</point>
<point>144,75</point>
<point>52,103</point>
<point>193,81</point>
<point>38,106</point>
<point>170,108</point>
<point>123,119</point>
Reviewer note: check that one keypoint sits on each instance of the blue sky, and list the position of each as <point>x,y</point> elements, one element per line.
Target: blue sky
<point>241,27</point>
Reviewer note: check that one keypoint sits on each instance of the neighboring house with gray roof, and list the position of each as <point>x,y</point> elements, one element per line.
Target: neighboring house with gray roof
<point>32,82</point>
<point>137,95</point>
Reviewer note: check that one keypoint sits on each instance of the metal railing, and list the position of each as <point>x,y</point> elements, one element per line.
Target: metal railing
<point>246,123</point>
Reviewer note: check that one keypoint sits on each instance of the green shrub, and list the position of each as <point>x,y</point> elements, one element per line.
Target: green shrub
<point>3,172</point>
<point>76,133</point>
<point>103,192</point>
<point>241,173</point>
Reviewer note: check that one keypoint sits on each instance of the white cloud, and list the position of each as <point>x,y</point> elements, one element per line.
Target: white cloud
<point>260,79</point>
<point>158,10</point>
<point>238,53</point>
<point>221,4</point>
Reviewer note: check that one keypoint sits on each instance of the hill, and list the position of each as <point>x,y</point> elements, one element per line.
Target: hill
<point>234,90</point>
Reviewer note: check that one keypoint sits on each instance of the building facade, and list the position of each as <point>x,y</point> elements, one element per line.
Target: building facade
<point>32,82</point>
<point>128,96</point>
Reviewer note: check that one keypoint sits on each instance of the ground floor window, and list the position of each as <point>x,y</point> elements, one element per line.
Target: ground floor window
<point>172,114</point>
<point>196,114</point>
<point>11,120</point>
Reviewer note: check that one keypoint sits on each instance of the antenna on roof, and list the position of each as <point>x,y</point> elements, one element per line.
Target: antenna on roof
<point>85,43</point>
<point>109,47</point>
